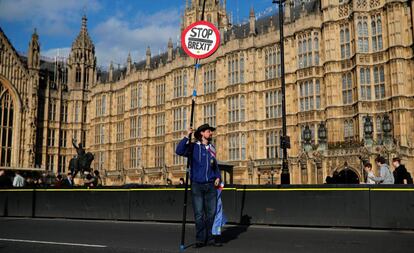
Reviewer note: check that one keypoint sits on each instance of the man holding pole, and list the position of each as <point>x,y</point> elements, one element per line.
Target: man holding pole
<point>205,176</point>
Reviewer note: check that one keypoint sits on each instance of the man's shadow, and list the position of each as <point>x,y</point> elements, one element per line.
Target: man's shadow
<point>232,233</point>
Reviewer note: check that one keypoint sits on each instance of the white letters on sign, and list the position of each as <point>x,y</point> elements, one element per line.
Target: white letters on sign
<point>200,39</point>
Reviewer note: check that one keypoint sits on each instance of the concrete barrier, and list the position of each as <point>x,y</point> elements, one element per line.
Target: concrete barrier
<point>322,205</point>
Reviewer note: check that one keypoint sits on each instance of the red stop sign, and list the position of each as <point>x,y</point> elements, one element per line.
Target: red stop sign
<point>200,39</point>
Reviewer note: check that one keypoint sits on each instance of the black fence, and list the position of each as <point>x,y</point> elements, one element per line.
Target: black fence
<point>356,206</point>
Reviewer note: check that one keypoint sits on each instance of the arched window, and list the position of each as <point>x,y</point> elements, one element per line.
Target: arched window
<point>242,108</point>
<point>243,147</point>
<point>6,130</point>
<point>78,74</point>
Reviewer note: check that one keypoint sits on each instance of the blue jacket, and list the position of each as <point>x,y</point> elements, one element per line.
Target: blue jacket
<point>204,166</point>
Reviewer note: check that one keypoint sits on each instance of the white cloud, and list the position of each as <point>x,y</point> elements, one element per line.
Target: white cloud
<point>61,52</point>
<point>116,37</point>
<point>50,16</point>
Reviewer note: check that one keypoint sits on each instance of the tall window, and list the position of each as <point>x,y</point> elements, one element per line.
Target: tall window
<point>133,127</point>
<point>134,96</point>
<point>159,156</point>
<point>135,156</point>
<point>64,112</point>
<point>365,81</point>
<point>376,29</point>
<point>236,108</point>
<point>160,124</point>
<point>120,103</point>
<point>272,62</point>
<point>160,93</point>
<point>78,74</point>
<point>99,134</point>
<point>310,95</point>
<point>237,146</point>
<point>236,66</point>
<point>362,34</point>
<point>347,88</point>
<point>345,40</point>
<point>6,130</point>
<point>180,84</point>
<point>178,160</point>
<point>273,104</point>
<point>61,163</point>
<point>180,119</point>
<point>86,78</point>
<point>119,160</point>
<point>349,130</point>
<point>100,105</point>
<point>63,138</point>
<point>51,137</point>
<point>379,82</point>
<point>140,94</point>
<point>99,160</point>
<point>308,46</point>
<point>210,114</point>
<point>273,144</point>
<point>50,163</point>
<point>52,110</point>
<point>103,105</point>
<point>120,131</point>
<point>209,79</point>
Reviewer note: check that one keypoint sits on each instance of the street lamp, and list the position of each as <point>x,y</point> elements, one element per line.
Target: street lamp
<point>368,129</point>
<point>307,135</point>
<point>386,125</point>
<point>322,133</point>
<point>285,141</point>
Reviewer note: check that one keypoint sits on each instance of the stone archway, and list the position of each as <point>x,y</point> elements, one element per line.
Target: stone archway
<point>346,175</point>
<point>10,124</point>
<point>6,127</point>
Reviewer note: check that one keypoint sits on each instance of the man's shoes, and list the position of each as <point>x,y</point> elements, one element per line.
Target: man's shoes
<point>198,245</point>
<point>215,243</point>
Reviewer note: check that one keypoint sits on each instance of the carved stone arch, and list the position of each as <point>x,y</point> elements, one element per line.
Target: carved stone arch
<point>8,88</point>
<point>347,170</point>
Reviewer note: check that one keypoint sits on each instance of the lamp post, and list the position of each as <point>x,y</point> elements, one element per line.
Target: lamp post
<point>322,136</point>
<point>387,128</point>
<point>368,129</point>
<point>307,137</point>
<point>285,141</point>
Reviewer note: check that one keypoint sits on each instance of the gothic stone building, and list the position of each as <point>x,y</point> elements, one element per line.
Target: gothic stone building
<point>349,97</point>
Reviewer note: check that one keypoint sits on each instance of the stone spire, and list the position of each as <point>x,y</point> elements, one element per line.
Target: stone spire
<point>33,60</point>
<point>170,50</point>
<point>288,6</point>
<point>252,18</point>
<point>129,64</point>
<point>111,72</point>
<point>148,62</point>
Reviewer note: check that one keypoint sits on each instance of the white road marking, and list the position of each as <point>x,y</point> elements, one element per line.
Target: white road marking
<point>54,243</point>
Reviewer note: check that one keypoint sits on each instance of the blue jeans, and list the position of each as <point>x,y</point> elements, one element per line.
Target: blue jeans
<point>204,198</point>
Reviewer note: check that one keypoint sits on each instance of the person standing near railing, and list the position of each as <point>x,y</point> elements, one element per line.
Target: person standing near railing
<point>205,176</point>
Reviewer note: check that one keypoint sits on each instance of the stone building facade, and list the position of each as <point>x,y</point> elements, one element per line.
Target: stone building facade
<point>349,97</point>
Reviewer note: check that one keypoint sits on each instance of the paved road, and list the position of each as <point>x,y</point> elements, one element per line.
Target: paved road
<point>58,235</point>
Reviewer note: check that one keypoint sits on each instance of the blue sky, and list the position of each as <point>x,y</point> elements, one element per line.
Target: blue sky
<point>116,27</point>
